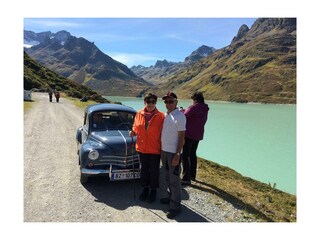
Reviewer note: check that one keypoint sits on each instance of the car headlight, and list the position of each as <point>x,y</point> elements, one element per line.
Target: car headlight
<point>93,155</point>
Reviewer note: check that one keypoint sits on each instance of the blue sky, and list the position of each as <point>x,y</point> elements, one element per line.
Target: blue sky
<point>143,41</point>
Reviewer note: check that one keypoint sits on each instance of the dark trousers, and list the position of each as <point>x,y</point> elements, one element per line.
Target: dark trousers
<point>150,164</point>
<point>172,178</point>
<point>189,159</point>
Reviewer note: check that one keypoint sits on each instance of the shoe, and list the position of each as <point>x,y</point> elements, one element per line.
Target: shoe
<point>165,200</point>
<point>184,182</point>
<point>172,213</point>
<point>193,179</point>
<point>143,196</point>
<point>152,196</point>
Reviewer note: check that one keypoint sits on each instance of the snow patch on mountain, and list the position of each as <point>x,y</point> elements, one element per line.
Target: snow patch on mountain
<point>29,44</point>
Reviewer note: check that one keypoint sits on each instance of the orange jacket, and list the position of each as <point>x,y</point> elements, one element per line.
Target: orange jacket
<point>148,140</point>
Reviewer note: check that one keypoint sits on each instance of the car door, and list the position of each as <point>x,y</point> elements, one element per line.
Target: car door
<point>85,129</point>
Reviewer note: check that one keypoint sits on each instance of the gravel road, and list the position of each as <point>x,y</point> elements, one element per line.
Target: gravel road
<point>53,192</point>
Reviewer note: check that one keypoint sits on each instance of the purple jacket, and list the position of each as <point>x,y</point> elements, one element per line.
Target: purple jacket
<point>196,116</point>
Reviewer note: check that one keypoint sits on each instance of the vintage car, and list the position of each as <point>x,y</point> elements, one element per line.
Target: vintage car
<point>104,145</point>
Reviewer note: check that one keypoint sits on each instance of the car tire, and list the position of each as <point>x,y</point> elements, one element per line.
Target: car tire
<point>83,178</point>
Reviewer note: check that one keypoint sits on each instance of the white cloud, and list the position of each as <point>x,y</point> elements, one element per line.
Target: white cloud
<point>130,59</point>
<point>52,23</point>
<point>183,38</point>
<point>109,37</point>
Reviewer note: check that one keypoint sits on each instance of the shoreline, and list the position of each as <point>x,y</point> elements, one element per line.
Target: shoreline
<point>212,101</point>
<point>246,176</point>
<point>266,202</point>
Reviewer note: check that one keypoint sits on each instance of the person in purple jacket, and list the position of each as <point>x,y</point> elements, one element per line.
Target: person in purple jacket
<point>196,116</point>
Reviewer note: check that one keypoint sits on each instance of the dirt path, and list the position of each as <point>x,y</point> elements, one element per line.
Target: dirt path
<point>52,190</point>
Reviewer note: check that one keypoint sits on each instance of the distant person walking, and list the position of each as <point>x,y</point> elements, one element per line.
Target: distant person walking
<point>147,127</point>
<point>172,140</point>
<point>57,95</point>
<point>196,116</point>
<point>50,95</point>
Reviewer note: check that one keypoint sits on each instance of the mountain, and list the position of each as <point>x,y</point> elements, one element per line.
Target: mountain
<point>32,39</point>
<point>157,73</point>
<point>201,52</point>
<point>241,33</point>
<point>154,74</point>
<point>80,60</point>
<point>40,77</point>
<point>258,66</point>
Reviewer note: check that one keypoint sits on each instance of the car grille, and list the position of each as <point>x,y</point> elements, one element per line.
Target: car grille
<point>119,160</point>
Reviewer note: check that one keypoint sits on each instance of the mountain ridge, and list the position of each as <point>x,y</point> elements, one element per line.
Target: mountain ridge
<point>259,66</point>
<point>39,77</point>
<point>80,60</point>
<point>157,73</point>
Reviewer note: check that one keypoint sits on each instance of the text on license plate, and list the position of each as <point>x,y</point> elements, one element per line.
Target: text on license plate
<point>124,175</point>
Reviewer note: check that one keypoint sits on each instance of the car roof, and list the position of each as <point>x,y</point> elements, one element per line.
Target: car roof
<point>109,107</point>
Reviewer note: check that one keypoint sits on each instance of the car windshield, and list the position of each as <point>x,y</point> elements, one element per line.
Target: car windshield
<point>112,120</point>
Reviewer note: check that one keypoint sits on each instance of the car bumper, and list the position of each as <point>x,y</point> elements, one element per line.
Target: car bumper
<point>111,173</point>
<point>87,171</point>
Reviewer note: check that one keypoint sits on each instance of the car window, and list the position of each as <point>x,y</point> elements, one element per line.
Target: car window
<point>86,121</point>
<point>112,120</point>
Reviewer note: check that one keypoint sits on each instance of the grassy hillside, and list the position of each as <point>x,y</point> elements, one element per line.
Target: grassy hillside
<point>264,201</point>
<point>259,68</point>
<point>37,76</point>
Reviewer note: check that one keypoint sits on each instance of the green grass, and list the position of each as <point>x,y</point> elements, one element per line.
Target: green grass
<point>78,103</point>
<point>265,202</point>
<point>27,105</point>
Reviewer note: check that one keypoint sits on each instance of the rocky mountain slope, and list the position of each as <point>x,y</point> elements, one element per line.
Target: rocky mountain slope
<point>157,73</point>
<point>80,60</point>
<point>40,77</point>
<point>258,66</point>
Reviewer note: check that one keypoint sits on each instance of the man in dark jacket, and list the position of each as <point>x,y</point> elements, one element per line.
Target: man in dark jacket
<point>50,95</point>
<point>196,116</point>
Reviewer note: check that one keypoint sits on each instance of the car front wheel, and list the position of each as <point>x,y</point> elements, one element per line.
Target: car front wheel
<point>83,178</point>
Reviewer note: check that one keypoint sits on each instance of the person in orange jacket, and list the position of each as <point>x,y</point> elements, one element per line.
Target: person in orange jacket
<point>147,127</point>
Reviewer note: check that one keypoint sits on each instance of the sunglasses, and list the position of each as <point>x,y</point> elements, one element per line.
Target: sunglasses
<point>169,101</point>
<point>151,101</point>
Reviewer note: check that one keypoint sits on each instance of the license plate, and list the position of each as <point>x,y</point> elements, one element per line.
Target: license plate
<point>124,175</point>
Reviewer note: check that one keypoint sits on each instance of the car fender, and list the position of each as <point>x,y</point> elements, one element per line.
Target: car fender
<point>87,146</point>
<point>78,135</point>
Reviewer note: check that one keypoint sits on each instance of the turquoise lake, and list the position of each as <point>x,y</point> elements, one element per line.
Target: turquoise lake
<point>256,140</point>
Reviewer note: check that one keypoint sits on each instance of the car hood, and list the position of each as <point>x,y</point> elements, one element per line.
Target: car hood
<point>119,141</point>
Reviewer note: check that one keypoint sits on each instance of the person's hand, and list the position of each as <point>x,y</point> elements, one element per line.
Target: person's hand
<point>175,160</point>
<point>132,134</point>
